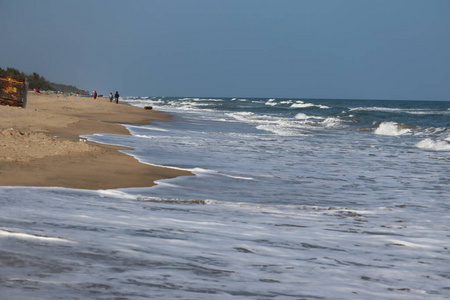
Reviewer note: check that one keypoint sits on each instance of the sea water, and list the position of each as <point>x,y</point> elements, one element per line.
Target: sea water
<point>292,199</point>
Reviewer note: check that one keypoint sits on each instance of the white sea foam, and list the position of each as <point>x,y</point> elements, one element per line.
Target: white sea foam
<point>332,122</point>
<point>281,130</point>
<point>239,177</point>
<point>436,145</point>
<point>301,104</point>
<point>287,102</point>
<point>153,128</point>
<point>429,113</point>
<point>271,102</point>
<point>26,236</point>
<point>319,121</point>
<point>302,116</point>
<point>116,194</point>
<point>287,126</point>
<point>432,130</point>
<point>208,99</point>
<point>241,116</point>
<point>385,109</point>
<point>199,171</point>
<point>391,128</point>
<point>144,136</point>
<point>412,111</point>
<point>156,165</point>
<point>277,125</point>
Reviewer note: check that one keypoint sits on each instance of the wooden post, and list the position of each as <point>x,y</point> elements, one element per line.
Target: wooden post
<point>24,105</point>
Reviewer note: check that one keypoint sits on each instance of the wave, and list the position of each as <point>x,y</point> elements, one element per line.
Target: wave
<point>280,130</point>
<point>287,126</point>
<point>183,104</point>
<point>301,104</point>
<point>340,211</point>
<point>148,127</point>
<point>436,145</point>
<point>26,236</point>
<point>302,116</point>
<point>287,102</point>
<point>376,108</point>
<point>319,121</point>
<point>241,116</point>
<point>297,128</point>
<point>277,125</point>
<point>172,201</point>
<point>271,102</point>
<point>332,122</point>
<point>412,111</point>
<point>294,104</point>
<point>198,99</point>
<point>208,99</point>
<point>393,129</point>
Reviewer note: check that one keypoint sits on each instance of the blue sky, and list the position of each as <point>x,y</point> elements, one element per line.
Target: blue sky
<point>352,49</point>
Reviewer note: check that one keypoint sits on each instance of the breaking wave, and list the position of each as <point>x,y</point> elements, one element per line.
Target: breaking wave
<point>301,104</point>
<point>436,145</point>
<point>412,111</point>
<point>393,129</point>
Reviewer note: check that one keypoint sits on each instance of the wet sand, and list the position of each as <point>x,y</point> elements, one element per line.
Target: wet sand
<point>41,145</point>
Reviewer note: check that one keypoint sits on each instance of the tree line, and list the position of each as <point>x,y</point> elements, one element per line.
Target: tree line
<point>37,81</point>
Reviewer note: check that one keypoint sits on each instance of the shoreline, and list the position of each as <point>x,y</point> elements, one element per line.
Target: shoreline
<point>41,145</point>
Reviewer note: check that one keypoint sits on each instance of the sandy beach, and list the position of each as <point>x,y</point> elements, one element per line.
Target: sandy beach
<point>41,145</point>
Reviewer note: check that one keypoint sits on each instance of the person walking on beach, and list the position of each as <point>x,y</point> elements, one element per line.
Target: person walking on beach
<point>95,95</point>
<point>110,97</point>
<point>117,97</point>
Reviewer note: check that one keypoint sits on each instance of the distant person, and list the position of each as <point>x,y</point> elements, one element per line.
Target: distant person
<point>110,97</point>
<point>37,90</point>
<point>95,95</point>
<point>117,97</point>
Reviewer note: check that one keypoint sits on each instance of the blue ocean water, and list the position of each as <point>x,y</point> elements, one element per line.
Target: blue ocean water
<point>292,199</point>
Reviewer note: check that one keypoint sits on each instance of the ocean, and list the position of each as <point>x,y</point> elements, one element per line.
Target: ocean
<point>292,199</point>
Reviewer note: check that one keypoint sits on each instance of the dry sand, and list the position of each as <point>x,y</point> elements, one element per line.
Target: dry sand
<point>40,145</point>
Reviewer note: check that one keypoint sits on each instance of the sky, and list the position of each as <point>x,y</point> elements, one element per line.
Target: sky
<point>346,49</point>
